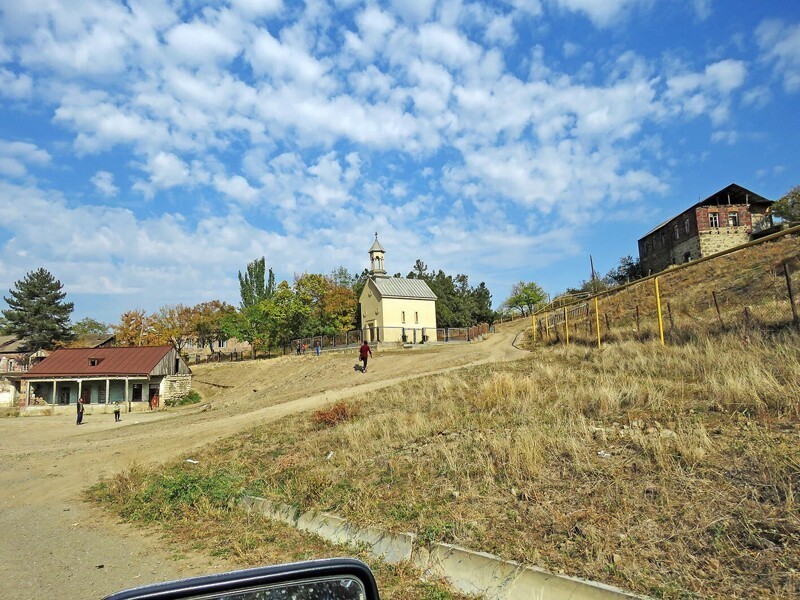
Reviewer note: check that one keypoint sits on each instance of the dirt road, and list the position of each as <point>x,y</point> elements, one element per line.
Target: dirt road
<point>53,545</point>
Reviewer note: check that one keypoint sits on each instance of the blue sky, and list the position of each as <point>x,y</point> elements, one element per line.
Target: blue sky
<point>150,149</point>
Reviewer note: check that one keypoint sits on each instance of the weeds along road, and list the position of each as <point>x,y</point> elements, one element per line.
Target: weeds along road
<point>53,545</point>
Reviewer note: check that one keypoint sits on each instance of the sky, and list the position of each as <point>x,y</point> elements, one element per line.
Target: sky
<point>150,149</point>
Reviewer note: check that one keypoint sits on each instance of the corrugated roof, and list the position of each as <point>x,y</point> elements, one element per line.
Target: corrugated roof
<point>399,287</point>
<point>74,362</point>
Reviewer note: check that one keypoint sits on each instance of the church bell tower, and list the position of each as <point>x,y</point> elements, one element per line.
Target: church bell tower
<point>376,253</point>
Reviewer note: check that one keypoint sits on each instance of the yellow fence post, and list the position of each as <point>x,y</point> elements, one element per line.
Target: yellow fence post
<point>566,326</point>
<point>597,320</point>
<point>658,309</point>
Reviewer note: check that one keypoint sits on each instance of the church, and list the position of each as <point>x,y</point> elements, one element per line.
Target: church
<point>396,309</point>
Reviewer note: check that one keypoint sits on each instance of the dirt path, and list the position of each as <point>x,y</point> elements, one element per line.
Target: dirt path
<point>54,545</point>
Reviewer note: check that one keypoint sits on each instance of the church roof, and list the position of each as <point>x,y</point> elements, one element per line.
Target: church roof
<point>376,247</point>
<point>399,287</point>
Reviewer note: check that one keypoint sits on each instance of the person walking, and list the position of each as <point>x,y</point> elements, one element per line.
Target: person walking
<point>80,412</point>
<point>117,418</point>
<point>364,353</point>
<point>317,347</point>
<point>299,347</point>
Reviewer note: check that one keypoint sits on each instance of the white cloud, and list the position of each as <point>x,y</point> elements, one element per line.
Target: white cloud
<point>279,61</point>
<point>702,8</point>
<point>780,46</point>
<point>707,92</point>
<point>237,188</point>
<point>13,85</point>
<point>200,43</point>
<point>602,13</point>
<point>104,182</point>
<point>414,10</point>
<point>257,8</point>
<point>500,30</point>
<point>724,137</point>
<point>16,156</point>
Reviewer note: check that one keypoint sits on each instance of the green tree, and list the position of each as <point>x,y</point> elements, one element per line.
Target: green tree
<point>788,207</point>
<point>37,311</point>
<point>250,324</point>
<point>88,326</point>
<point>256,284</point>
<point>207,322</point>
<point>629,269</point>
<point>288,314</point>
<point>526,296</point>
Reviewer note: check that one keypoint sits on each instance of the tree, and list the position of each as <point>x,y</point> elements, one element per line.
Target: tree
<point>250,325</point>
<point>788,207</point>
<point>135,328</point>
<point>629,269</point>
<point>207,322</point>
<point>255,285</point>
<point>174,325</point>
<point>526,296</point>
<point>37,311</point>
<point>88,326</point>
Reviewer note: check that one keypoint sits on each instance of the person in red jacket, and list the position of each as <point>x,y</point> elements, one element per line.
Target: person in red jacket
<point>364,352</point>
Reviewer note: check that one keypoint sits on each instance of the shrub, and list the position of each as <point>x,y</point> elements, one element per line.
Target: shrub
<point>336,413</point>
<point>192,397</point>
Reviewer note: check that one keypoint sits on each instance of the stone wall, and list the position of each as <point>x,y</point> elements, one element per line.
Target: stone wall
<point>717,240</point>
<point>174,386</point>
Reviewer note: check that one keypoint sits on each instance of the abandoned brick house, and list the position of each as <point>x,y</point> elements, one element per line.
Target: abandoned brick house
<point>141,377</point>
<point>725,219</point>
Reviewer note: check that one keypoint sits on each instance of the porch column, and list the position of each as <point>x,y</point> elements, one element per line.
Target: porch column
<point>108,389</point>
<point>54,393</point>
<point>127,401</point>
<point>80,389</point>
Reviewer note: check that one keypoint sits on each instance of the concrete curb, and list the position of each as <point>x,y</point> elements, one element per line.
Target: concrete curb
<point>467,571</point>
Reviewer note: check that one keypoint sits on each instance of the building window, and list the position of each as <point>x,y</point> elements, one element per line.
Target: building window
<point>416,317</point>
<point>733,219</point>
<point>686,226</point>
<point>713,219</point>
<point>677,232</point>
<point>403,316</point>
<point>93,362</point>
<point>663,239</point>
<point>222,344</point>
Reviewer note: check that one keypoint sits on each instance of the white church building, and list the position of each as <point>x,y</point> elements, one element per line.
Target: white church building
<point>396,309</point>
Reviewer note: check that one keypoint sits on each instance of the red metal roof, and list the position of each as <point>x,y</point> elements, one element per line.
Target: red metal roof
<point>75,362</point>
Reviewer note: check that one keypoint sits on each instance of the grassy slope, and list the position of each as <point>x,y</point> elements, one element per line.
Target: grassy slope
<point>751,278</point>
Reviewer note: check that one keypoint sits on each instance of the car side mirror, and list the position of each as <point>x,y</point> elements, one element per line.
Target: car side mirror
<point>326,579</point>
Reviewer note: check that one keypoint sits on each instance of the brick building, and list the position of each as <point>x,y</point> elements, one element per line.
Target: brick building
<point>725,219</point>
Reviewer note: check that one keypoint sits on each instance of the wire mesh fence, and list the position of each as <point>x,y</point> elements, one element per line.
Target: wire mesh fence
<point>756,286</point>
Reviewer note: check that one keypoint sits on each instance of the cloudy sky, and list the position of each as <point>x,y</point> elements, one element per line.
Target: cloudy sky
<point>150,148</point>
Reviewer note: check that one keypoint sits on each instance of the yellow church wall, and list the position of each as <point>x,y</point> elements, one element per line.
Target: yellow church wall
<point>408,313</point>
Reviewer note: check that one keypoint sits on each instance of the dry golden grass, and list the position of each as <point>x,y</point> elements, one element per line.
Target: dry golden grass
<point>750,289</point>
<point>668,471</point>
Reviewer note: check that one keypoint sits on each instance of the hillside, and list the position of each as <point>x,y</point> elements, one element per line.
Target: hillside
<point>748,287</point>
<point>665,471</point>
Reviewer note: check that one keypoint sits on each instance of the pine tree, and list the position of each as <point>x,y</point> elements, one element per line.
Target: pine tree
<point>37,311</point>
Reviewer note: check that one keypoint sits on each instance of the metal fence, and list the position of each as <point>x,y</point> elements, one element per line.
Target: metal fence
<point>755,285</point>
